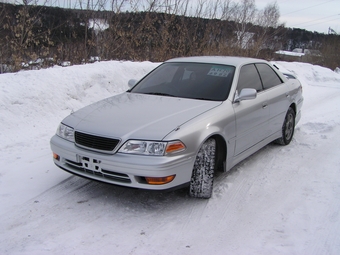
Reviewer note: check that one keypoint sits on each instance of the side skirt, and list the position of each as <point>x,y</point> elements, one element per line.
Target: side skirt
<point>245,154</point>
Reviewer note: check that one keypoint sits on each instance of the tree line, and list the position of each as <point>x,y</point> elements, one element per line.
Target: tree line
<point>155,30</point>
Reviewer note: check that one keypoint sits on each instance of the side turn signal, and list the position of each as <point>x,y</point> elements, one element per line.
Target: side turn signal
<point>56,156</point>
<point>175,146</point>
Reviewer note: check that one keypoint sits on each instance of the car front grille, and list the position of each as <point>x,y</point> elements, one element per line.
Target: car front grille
<point>95,142</point>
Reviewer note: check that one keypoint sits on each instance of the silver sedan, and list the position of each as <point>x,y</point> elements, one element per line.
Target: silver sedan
<point>180,124</point>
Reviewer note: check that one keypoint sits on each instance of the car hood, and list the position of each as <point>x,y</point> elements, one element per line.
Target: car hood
<point>137,116</point>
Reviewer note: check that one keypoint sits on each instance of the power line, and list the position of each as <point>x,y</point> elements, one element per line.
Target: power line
<point>308,7</point>
<point>315,20</point>
<point>321,22</point>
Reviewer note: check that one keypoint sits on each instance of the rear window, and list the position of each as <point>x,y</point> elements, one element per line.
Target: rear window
<point>268,76</point>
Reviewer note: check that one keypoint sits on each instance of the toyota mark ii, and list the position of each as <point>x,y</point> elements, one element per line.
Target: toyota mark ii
<point>180,124</point>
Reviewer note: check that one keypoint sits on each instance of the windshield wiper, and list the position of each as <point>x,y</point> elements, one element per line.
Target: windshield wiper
<point>159,94</point>
<point>204,98</point>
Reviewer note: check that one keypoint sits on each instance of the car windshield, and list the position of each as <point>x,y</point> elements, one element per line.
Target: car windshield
<point>188,80</point>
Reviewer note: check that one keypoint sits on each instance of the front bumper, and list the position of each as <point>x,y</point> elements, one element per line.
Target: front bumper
<point>122,169</point>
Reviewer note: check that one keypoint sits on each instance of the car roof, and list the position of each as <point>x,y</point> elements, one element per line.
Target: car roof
<point>222,60</point>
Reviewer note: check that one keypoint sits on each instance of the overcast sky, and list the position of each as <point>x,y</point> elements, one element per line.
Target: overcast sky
<point>313,15</point>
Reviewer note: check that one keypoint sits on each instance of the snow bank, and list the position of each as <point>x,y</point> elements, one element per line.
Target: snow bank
<point>30,100</point>
<point>310,74</point>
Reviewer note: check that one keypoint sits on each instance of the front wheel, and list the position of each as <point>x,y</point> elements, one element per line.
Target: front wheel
<point>201,184</point>
<point>287,128</point>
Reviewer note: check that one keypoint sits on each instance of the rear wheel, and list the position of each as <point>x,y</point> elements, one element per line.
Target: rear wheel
<point>201,184</point>
<point>287,128</point>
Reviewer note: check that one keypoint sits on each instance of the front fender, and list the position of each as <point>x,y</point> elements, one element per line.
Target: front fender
<point>218,121</point>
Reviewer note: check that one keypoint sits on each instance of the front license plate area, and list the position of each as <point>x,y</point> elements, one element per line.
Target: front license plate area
<point>91,164</point>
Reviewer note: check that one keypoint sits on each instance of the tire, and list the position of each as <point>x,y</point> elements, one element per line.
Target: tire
<point>288,128</point>
<point>201,184</point>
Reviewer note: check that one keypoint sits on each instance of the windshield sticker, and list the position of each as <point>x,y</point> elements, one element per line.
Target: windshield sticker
<point>219,71</point>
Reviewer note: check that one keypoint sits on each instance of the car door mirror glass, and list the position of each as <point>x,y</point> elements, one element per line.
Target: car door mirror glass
<point>245,94</point>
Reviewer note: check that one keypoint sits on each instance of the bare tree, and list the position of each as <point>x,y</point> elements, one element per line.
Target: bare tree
<point>243,14</point>
<point>200,8</point>
<point>225,8</point>
<point>3,42</point>
<point>118,5</point>
<point>27,37</point>
<point>212,8</point>
<point>184,8</point>
<point>331,51</point>
<point>94,24</point>
<point>135,5</point>
<point>151,5</point>
<point>268,22</point>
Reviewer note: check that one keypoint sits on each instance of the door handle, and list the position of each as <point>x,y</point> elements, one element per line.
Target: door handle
<point>264,106</point>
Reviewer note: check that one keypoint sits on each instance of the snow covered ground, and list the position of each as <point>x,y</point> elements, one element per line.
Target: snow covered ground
<point>281,200</point>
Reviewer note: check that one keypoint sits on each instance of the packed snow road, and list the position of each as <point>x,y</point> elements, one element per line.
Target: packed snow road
<point>281,200</point>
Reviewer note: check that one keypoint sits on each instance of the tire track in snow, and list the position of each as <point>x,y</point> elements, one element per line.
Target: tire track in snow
<point>245,174</point>
<point>260,181</point>
<point>326,212</point>
<point>191,216</point>
<point>198,211</point>
<point>331,239</point>
<point>76,203</point>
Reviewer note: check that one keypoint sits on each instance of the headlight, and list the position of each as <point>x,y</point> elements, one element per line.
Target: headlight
<point>65,132</point>
<point>151,147</point>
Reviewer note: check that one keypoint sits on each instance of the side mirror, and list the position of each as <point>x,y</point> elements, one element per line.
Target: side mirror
<point>245,94</point>
<point>132,83</point>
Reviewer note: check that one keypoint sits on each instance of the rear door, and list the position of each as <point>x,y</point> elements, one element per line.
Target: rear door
<point>277,97</point>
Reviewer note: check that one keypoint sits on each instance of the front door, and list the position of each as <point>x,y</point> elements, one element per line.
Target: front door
<point>251,115</point>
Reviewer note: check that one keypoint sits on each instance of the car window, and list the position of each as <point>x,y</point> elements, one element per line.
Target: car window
<point>249,78</point>
<point>268,75</point>
<point>189,80</point>
<point>165,75</point>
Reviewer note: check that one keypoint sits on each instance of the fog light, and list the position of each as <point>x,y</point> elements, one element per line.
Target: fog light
<point>159,180</point>
<point>56,156</point>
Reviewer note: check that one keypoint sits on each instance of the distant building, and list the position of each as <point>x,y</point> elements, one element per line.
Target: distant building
<point>299,55</point>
